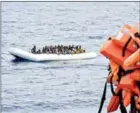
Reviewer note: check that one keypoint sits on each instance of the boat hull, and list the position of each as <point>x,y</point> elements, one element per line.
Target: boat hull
<point>23,55</point>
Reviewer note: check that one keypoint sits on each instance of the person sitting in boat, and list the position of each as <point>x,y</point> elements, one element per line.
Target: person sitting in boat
<point>50,49</point>
<point>80,50</point>
<point>69,47</point>
<point>53,51</point>
<point>33,50</point>
<point>66,50</point>
<point>56,49</point>
<point>47,50</point>
<point>59,49</point>
<point>73,49</point>
<point>43,50</point>
<point>63,50</point>
<point>76,50</point>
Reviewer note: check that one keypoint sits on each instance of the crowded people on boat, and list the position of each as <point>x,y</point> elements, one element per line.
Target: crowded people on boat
<point>59,49</point>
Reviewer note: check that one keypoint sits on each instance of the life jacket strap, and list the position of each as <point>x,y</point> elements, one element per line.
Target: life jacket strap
<point>137,35</point>
<point>112,88</point>
<point>129,71</point>
<point>133,106</point>
<point>125,46</point>
<point>122,108</point>
<point>119,78</point>
<point>103,98</point>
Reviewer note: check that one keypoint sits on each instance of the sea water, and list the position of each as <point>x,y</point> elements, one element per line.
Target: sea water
<point>59,86</point>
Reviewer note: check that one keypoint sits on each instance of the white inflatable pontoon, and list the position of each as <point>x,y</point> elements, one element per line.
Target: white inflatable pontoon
<point>21,54</point>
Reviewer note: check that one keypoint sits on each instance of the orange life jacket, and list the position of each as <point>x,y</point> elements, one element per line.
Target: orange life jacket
<point>114,72</point>
<point>126,97</point>
<point>126,43</point>
<point>135,75</point>
<point>132,32</point>
<point>114,102</point>
<point>127,83</point>
<point>132,60</point>
<point>123,38</point>
<point>128,87</point>
<point>124,53</point>
<point>114,52</point>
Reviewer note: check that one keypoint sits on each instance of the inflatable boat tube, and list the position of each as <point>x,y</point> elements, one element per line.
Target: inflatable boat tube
<point>24,55</point>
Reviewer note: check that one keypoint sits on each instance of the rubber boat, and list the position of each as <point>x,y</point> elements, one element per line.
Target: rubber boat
<point>24,55</point>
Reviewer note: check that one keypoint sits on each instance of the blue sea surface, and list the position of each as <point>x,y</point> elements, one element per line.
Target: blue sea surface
<point>59,86</point>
